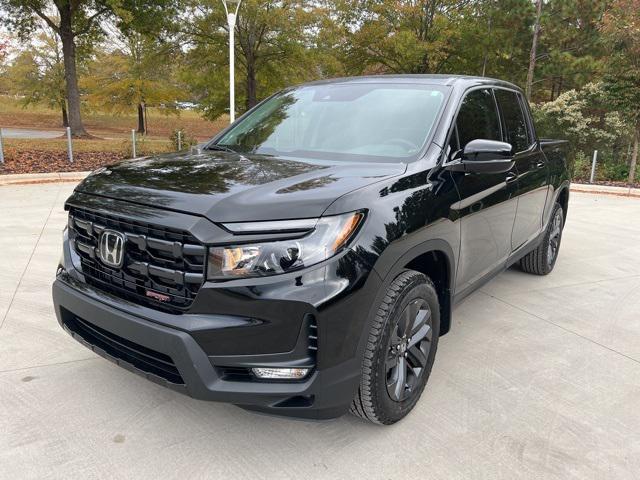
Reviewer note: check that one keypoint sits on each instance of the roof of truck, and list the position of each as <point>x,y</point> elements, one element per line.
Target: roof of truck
<point>430,79</point>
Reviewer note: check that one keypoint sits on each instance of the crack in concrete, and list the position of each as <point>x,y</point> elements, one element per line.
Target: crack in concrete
<point>564,328</point>
<point>33,251</point>
<point>20,369</point>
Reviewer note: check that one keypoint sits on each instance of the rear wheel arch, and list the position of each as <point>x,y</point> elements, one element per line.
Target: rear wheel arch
<point>562,197</point>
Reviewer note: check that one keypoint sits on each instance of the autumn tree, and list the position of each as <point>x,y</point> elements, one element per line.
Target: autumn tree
<point>37,75</point>
<point>272,40</point>
<point>621,26</point>
<point>136,74</point>
<point>70,20</point>
<point>73,21</point>
<point>4,64</point>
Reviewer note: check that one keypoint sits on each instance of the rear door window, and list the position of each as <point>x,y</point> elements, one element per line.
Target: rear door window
<point>514,119</point>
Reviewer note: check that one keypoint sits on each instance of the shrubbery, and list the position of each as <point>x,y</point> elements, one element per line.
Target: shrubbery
<point>584,117</point>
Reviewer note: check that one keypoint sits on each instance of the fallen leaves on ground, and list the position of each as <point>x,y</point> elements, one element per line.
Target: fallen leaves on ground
<point>36,161</point>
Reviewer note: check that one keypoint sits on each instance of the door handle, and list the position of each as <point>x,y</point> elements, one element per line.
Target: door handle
<point>511,177</point>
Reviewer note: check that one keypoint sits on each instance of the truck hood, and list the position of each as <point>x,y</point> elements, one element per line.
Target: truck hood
<point>227,187</point>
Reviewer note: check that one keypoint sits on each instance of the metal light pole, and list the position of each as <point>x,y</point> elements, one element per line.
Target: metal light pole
<point>231,21</point>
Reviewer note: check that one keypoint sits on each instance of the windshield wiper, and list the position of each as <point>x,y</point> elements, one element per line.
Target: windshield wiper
<point>222,148</point>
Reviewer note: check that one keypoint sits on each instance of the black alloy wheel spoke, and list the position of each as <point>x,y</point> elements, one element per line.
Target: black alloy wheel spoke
<point>399,380</point>
<point>416,357</point>
<point>408,351</point>
<point>554,237</point>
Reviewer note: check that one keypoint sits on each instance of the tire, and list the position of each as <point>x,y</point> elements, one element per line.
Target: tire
<point>542,260</point>
<point>400,350</point>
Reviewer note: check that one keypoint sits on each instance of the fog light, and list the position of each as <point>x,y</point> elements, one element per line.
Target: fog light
<point>281,373</point>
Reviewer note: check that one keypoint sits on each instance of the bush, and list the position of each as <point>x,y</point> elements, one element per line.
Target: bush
<point>581,167</point>
<point>187,140</point>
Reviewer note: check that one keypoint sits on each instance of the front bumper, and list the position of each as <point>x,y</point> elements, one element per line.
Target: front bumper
<point>232,327</point>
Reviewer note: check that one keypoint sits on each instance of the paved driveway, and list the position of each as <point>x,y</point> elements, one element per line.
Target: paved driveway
<point>539,378</point>
<point>27,133</point>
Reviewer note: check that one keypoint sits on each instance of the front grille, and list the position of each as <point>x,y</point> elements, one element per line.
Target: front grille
<point>163,268</point>
<point>142,358</point>
<point>312,335</point>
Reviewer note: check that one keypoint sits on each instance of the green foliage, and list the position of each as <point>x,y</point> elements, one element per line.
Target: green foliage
<point>274,42</point>
<point>37,73</point>
<point>583,118</point>
<point>138,72</point>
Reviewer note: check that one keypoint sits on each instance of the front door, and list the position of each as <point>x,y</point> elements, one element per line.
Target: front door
<point>487,206</point>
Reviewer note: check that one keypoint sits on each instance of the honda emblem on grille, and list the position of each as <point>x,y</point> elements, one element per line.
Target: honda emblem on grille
<point>111,248</point>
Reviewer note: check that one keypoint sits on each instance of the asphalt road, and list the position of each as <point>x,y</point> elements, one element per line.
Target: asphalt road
<point>539,378</point>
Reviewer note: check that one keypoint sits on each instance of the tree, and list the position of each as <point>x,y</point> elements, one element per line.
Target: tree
<point>4,54</point>
<point>493,44</point>
<point>135,75</point>
<point>571,53</point>
<point>73,20</point>
<point>403,36</point>
<point>273,49</point>
<point>621,26</point>
<point>534,50</point>
<point>37,75</point>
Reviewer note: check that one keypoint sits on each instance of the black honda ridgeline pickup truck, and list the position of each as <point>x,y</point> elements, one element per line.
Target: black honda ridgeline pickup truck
<point>306,260</point>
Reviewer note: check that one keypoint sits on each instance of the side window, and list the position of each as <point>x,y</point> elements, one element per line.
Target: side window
<point>478,118</point>
<point>514,120</point>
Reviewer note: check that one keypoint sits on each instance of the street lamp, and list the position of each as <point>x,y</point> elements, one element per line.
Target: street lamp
<point>231,21</point>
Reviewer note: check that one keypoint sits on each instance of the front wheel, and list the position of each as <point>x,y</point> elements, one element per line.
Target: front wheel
<point>400,350</point>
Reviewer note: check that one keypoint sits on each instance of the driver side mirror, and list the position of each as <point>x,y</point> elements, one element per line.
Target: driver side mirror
<point>484,156</point>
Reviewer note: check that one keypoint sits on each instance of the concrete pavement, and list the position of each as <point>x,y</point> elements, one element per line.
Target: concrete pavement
<point>539,378</point>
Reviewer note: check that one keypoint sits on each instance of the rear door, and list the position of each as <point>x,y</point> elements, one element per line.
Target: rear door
<point>531,166</point>
<point>487,206</point>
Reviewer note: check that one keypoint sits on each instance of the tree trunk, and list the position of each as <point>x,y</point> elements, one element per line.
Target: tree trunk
<point>65,117</point>
<point>534,50</point>
<point>70,72</point>
<point>634,155</point>
<point>485,60</point>
<point>142,128</point>
<point>252,99</point>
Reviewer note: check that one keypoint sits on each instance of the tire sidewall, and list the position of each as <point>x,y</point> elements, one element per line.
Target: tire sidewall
<point>549,266</point>
<point>391,411</point>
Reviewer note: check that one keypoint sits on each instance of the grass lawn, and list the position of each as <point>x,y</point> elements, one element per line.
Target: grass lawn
<point>109,125</point>
<point>111,142</point>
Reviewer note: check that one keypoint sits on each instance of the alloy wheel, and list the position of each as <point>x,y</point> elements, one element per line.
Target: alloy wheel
<point>409,347</point>
<point>554,237</point>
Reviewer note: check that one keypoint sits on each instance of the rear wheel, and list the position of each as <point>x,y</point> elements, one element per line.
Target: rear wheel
<point>400,350</point>
<point>542,260</point>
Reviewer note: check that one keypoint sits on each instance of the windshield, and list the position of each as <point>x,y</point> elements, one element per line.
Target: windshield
<point>350,122</point>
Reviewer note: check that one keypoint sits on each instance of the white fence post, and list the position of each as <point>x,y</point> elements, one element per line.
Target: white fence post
<point>133,143</point>
<point>593,166</point>
<point>1,148</point>
<point>69,145</point>
<point>179,140</point>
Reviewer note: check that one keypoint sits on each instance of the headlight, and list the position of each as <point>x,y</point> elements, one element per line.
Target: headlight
<point>328,237</point>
